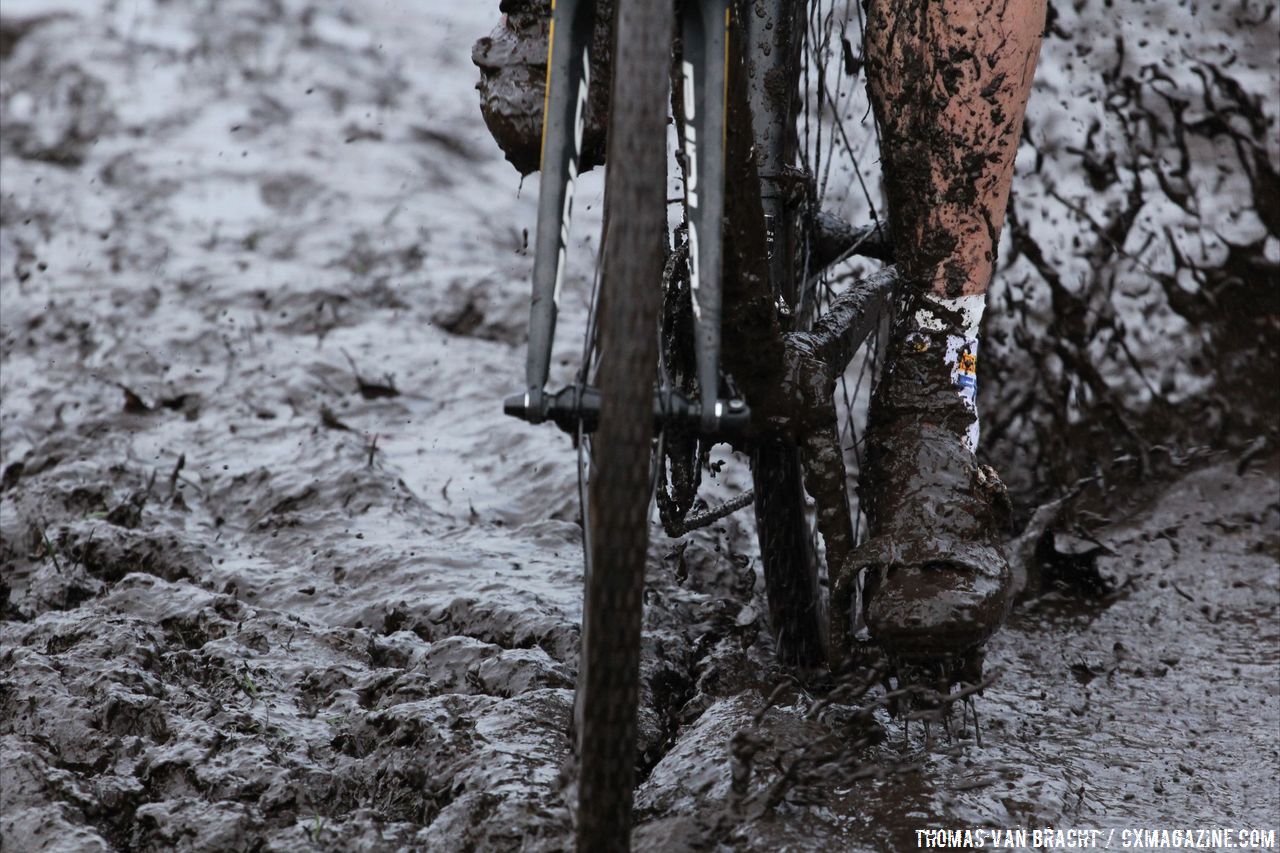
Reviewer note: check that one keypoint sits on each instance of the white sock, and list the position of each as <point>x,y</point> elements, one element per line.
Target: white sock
<point>962,347</point>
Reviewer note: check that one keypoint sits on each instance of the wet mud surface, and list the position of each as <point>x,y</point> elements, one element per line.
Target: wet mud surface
<point>277,575</point>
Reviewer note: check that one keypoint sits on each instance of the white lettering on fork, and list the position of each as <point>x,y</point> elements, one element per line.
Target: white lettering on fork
<point>579,123</point>
<point>691,179</point>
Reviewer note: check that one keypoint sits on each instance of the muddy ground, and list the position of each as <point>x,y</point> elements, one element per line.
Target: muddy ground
<point>278,576</point>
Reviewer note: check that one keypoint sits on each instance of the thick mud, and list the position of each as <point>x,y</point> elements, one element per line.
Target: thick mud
<point>277,575</point>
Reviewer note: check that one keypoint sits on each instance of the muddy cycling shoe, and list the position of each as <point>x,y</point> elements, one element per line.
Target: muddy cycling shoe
<point>937,579</point>
<point>513,74</point>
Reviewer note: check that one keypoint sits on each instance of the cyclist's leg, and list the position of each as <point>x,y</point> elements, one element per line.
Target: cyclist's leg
<point>949,80</point>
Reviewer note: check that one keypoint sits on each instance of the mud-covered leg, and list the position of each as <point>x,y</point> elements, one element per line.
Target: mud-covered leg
<point>949,81</point>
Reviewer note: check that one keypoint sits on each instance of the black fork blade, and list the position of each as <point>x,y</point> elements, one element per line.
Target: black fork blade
<point>704,31</point>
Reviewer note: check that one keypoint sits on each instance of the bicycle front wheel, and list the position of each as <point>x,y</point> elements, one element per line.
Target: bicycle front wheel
<point>620,486</point>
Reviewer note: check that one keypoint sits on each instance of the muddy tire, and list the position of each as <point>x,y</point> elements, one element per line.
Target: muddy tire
<point>788,555</point>
<point>620,487</point>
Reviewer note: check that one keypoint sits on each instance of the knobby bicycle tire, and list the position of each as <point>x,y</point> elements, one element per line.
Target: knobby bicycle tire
<point>620,486</point>
<point>788,555</point>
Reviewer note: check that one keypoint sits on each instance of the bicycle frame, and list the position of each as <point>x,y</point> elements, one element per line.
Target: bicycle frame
<point>738,189</point>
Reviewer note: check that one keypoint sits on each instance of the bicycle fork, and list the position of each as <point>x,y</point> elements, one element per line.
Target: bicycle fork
<point>563,121</point>
<point>702,127</point>
<point>704,39</point>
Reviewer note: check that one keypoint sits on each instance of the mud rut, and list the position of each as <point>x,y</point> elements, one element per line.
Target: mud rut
<point>277,575</point>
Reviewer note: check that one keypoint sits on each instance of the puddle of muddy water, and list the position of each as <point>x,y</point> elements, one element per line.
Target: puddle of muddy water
<point>277,575</point>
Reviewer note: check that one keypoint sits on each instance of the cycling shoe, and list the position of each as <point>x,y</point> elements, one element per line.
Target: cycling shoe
<point>937,578</point>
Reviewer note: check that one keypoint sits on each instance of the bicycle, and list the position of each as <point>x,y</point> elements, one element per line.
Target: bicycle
<point>743,342</point>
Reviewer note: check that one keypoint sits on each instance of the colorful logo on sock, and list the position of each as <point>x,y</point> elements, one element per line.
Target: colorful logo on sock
<point>966,372</point>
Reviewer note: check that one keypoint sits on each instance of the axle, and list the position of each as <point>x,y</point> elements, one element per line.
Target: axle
<point>577,407</point>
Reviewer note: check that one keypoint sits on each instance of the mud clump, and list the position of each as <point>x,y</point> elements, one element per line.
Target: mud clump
<point>513,73</point>
<point>229,624</point>
<point>52,111</point>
